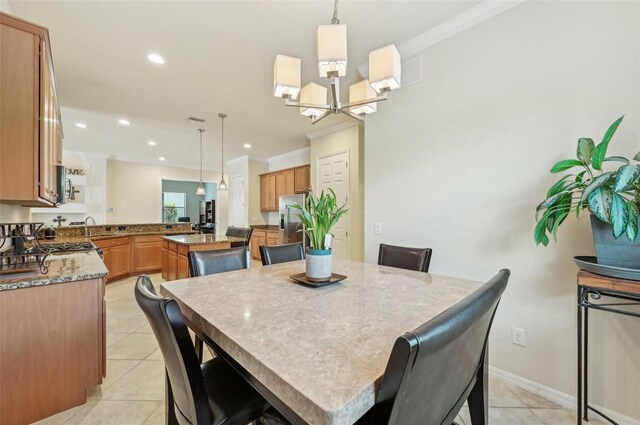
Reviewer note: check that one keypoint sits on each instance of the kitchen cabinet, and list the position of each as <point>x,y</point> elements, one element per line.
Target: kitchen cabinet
<point>31,132</point>
<point>148,253</point>
<point>117,256</point>
<point>52,348</point>
<point>282,182</point>
<point>261,237</point>
<point>302,179</point>
<point>176,265</point>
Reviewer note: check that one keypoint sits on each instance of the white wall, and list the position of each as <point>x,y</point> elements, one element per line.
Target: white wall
<point>134,191</point>
<point>350,137</point>
<point>459,162</point>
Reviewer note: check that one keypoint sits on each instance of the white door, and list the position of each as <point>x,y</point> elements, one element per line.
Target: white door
<point>236,201</point>
<point>333,172</point>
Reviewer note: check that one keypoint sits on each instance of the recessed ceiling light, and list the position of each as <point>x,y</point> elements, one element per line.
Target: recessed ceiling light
<point>161,158</point>
<point>124,122</point>
<point>151,143</point>
<point>155,58</point>
<point>247,146</point>
<point>81,125</point>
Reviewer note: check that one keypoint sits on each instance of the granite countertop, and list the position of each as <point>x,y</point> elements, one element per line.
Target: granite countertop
<point>68,267</point>
<point>63,239</point>
<point>265,227</point>
<point>201,239</point>
<point>321,351</point>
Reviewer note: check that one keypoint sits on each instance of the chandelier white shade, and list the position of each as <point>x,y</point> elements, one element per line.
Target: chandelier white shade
<point>359,92</point>
<point>313,94</point>
<point>384,76</point>
<point>286,77</point>
<point>384,69</point>
<point>332,50</point>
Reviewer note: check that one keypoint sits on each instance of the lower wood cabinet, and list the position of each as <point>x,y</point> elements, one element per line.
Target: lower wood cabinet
<point>124,256</point>
<point>52,348</point>
<point>262,237</point>
<point>175,257</point>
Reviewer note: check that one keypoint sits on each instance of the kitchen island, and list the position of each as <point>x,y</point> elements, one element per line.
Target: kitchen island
<point>52,337</point>
<point>175,251</point>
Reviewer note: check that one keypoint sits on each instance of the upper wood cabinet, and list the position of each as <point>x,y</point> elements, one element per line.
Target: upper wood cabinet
<point>302,180</point>
<point>280,183</point>
<point>31,132</point>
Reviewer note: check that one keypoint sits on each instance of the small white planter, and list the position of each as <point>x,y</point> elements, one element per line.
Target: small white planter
<point>319,264</point>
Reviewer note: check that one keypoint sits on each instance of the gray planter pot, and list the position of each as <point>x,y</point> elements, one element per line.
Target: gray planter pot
<point>319,264</point>
<point>619,252</point>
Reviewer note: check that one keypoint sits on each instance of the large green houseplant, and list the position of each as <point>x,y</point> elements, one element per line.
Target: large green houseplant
<point>612,196</point>
<point>319,215</point>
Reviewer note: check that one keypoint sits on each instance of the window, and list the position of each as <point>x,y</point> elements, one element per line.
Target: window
<point>173,206</point>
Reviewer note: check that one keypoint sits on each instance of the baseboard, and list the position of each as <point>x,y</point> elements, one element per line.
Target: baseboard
<point>559,397</point>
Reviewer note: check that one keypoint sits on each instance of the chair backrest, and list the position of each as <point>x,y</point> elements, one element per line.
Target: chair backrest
<point>218,261</point>
<point>274,254</point>
<point>240,232</point>
<point>417,259</point>
<point>432,370</point>
<point>184,219</point>
<point>181,363</point>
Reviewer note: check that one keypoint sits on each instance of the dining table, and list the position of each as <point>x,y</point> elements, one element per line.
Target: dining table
<point>316,354</point>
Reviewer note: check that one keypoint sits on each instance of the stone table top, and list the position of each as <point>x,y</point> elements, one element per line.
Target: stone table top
<point>201,239</point>
<point>62,268</point>
<point>321,351</point>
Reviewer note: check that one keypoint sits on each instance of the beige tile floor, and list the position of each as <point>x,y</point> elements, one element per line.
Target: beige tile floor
<point>133,392</point>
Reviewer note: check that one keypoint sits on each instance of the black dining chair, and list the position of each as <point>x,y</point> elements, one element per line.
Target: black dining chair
<point>202,263</point>
<point>208,393</point>
<point>436,367</point>
<point>239,232</point>
<point>401,257</point>
<point>275,254</point>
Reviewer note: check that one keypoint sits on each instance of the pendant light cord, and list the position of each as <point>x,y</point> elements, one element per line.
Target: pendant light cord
<point>200,130</point>
<point>334,19</point>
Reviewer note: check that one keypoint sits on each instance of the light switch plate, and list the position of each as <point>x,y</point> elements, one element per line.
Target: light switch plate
<point>377,228</point>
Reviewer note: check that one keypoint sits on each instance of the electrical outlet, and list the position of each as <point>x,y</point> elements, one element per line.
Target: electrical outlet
<point>377,228</point>
<point>518,337</point>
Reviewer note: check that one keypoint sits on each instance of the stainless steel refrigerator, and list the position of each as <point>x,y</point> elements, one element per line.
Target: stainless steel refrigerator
<point>290,225</point>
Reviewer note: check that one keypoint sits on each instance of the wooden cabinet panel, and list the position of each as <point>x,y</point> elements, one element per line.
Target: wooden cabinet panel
<point>183,267</point>
<point>31,131</point>
<point>284,183</point>
<point>66,324</point>
<point>165,263</point>
<point>268,198</point>
<point>120,260</point>
<point>173,265</point>
<point>256,242</point>
<point>264,187</point>
<point>302,179</point>
<point>148,256</point>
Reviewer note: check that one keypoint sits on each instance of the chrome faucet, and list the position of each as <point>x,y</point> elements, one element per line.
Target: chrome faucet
<point>87,232</point>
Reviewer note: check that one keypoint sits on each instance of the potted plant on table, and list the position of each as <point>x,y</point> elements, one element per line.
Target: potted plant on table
<point>319,215</point>
<point>612,198</point>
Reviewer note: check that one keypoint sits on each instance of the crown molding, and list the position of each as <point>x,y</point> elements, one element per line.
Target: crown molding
<point>241,158</point>
<point>462,22</point>
<point>334,128</point>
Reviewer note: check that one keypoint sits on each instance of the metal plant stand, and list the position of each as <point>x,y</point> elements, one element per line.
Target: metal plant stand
<point>620,294</point>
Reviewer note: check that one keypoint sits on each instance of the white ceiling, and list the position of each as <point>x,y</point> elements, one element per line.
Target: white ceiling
<point>219,58</point>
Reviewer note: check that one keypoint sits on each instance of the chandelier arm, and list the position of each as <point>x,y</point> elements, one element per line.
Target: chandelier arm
<point>352,115</point>
<point>307,105</point>
<point>320,117</point>
<point>365,101</point>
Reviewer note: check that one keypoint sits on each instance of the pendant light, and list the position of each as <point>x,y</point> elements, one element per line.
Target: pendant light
<point>200,190</point>
<point>223,184</point>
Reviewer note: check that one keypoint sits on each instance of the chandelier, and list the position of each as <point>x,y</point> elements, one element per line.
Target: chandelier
<point>384,76</point>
